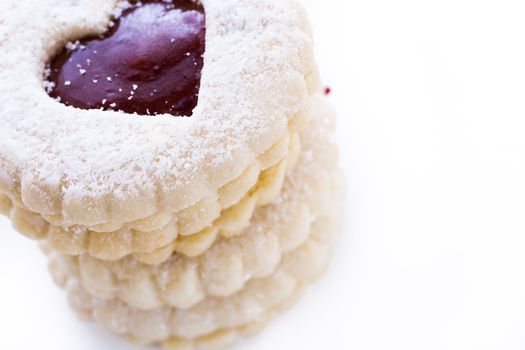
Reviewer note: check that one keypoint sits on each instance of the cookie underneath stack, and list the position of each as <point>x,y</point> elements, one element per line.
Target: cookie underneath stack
<point>238,283</point>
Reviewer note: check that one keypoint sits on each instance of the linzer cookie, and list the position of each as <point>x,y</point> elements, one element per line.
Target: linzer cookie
<point>175,158</point>
<point>76,164</point>
<point>98,194</point>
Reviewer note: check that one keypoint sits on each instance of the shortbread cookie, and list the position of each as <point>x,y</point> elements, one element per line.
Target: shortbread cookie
<point>225,268</point>
<point>227,336</point>
<point>105,168</point>
<point>260,299</point>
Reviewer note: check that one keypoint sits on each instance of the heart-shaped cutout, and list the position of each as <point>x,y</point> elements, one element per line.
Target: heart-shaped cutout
<point>149,62</point>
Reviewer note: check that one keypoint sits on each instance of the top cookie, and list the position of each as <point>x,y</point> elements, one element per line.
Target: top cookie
<point>93,166</point>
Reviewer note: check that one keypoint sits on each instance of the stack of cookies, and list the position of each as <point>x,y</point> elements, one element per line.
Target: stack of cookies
<point>183,231</point>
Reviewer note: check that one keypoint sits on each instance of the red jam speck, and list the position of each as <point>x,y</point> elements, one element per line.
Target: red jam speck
<point>149,62</point>
<point>327,90</point>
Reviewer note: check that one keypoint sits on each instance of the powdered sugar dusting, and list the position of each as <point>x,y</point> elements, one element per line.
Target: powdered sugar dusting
<point>257,55</point>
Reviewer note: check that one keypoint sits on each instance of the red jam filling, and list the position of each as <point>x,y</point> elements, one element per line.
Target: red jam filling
<point>149,62</point>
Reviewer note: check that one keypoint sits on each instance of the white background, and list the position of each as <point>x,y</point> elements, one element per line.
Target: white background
<point>431,107</point>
